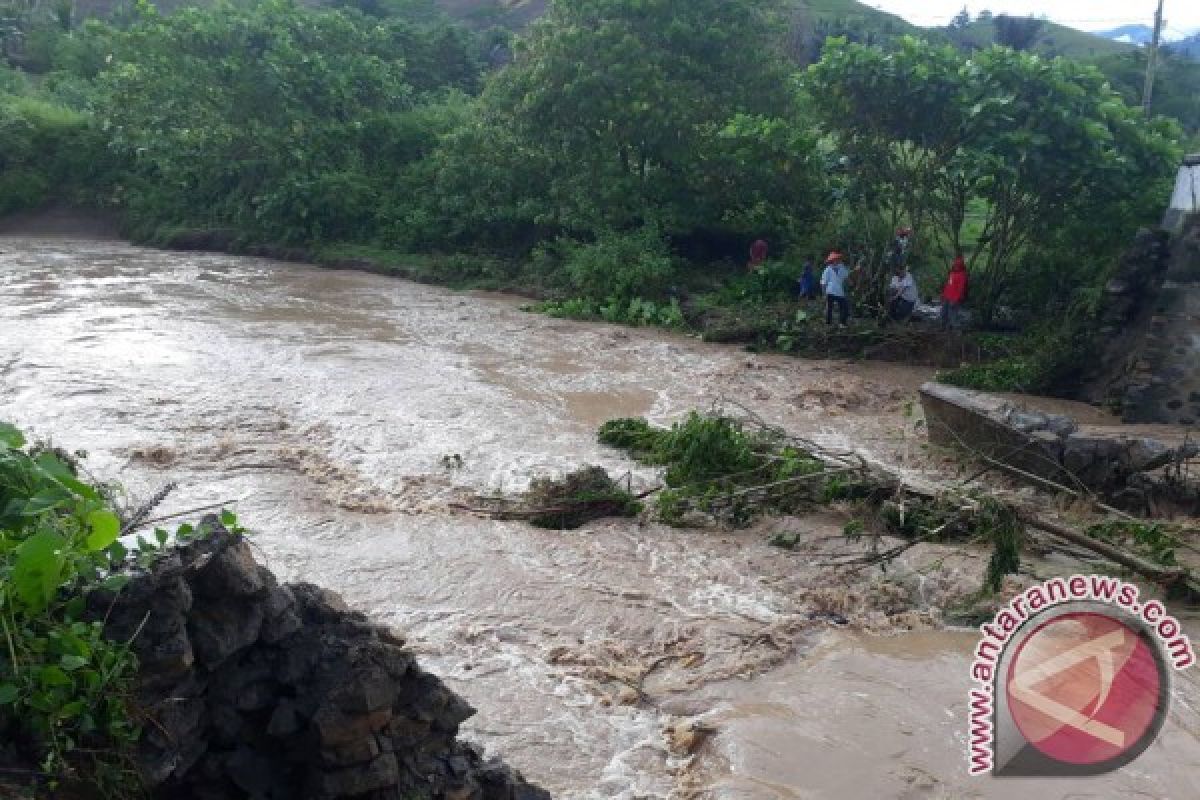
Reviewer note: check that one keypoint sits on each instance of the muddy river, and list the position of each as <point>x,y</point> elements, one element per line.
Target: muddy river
<point>347,413</point>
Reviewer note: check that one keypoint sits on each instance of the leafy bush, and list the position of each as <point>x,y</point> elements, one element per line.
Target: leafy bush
<point>48,152</point>
<point>637,311</point>
<point>22,189</point>
<point>1017,374</point>
<point>621,266</point>
<point>578,498</point>
<point>64,687</point>
<point>707,458</point>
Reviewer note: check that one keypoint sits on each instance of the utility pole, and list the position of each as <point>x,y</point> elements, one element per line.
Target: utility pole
<point>1152,60</point>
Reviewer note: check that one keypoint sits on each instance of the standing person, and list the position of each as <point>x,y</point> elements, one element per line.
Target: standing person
<point>902,295</point>
<point>833,283</point>
<point>758,255</point>
<point>806,287</point>
<point>898,252</point>
<point>954,293</point>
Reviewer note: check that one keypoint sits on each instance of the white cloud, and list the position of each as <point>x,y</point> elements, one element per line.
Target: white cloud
<point>1182,16</point>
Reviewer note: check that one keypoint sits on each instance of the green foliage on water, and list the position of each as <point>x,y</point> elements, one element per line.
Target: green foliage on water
<point>65,689</point>
<point>578,498</point>
<point>708,459</point>
<point>735,471</point>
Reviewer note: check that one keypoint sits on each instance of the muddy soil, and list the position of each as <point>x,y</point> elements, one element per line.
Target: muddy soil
<point>330,406</point>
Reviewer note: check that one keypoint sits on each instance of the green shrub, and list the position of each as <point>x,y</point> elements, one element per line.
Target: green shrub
<point>636,311</point>
<point>64,687</point>
<point>48,152</point>
<point>620,266</point>
<point>21,189</point>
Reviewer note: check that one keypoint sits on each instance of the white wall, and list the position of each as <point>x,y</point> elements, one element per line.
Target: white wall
<point>1186,199</point>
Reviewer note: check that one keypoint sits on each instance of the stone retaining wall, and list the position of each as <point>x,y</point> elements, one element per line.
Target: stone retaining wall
<point>1154,334</point>
<point>252,689</point>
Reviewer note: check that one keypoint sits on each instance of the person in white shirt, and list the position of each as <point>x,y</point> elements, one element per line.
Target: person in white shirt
<point>902,295</point>
<point>833,283</point>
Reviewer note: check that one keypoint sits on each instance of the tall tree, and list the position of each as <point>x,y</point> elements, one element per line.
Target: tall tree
<point>625,94</point>
<point>1019,33</point>
<point>1039,146</point>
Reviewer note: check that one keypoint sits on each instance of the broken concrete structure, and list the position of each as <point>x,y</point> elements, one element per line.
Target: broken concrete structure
<point>1049,447</point>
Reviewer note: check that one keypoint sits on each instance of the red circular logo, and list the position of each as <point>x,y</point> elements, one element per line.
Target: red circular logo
<point>1085,688</point>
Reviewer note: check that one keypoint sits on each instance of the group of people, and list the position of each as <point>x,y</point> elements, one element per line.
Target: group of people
<point>902,293</point>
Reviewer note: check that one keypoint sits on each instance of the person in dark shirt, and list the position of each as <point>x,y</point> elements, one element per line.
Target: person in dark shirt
<point>806,286</point>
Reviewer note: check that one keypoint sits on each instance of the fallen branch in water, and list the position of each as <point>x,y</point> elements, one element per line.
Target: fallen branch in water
<point>1162,575</point>
<point>138,518</point>
<point>577,498</point>
<point>178,514</point>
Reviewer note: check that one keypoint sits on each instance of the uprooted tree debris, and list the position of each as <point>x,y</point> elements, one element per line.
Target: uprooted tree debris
<point>578,498</point>
<point>721,469</point>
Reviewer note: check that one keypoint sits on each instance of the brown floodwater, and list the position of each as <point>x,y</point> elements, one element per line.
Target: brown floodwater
<point>329,407</point>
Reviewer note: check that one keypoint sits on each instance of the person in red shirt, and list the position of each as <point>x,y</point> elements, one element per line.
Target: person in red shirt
<point>758,255</point>
<point>954,293</point>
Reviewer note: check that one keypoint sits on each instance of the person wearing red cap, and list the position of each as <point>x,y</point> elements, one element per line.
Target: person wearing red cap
<point>954,293</point>
<point>833,283</point>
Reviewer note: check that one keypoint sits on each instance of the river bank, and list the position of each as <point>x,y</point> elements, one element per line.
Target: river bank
<point>705,304</point>
<point>324,403</point>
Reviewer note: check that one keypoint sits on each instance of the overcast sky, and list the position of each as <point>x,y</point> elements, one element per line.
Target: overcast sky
<point>1182,16</point>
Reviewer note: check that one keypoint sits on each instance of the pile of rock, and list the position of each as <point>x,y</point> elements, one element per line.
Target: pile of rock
<point>252,689</point>
<point>1151,322</point>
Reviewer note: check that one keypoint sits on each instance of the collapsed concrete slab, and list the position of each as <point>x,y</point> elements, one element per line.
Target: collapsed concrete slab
<point>1047,446</point>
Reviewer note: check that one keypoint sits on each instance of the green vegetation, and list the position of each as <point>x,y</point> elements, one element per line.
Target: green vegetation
<point>714,465</point>
<point>47,149</point>
<point>578,498</point>
<point>618,167</point>
<point>1033,34</point>
<point>1151,540</point>
<point>1040,146</point>
<point>733,471</point>
<point>65,689</point>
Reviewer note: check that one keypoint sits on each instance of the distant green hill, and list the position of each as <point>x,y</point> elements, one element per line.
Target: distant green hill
<point>1054,40</point>
<point>1189,47</point>
<point>852,16</point>
<point>814,20</point>
<point>844,16</point>
<point>513,14</point>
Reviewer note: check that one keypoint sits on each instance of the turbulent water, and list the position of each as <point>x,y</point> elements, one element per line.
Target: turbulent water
<point>350,416</point>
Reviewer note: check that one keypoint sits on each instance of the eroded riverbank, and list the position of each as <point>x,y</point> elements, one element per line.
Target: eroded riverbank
<point>326,402</point>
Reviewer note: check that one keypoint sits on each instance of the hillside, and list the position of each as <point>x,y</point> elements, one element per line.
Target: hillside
<point>513,14</point>
<point>1053,40</point>
<point>831,17</point>
<point>1188,47</point>
<point>1130,34</point>
<point>852,16</point>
